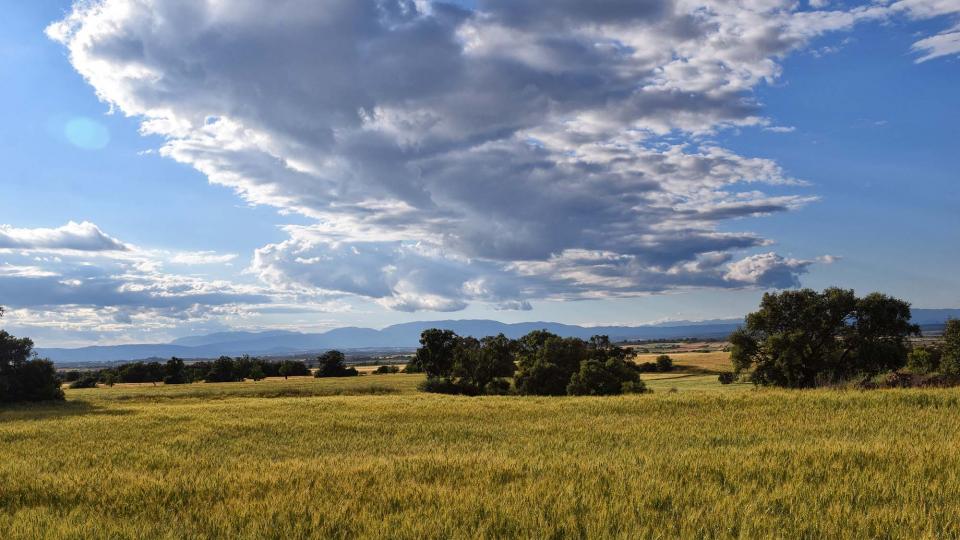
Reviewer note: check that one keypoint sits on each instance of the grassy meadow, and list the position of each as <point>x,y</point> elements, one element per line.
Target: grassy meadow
<point>370,456</point>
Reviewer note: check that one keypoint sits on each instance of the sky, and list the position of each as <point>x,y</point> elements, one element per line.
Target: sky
<point>174,167</point>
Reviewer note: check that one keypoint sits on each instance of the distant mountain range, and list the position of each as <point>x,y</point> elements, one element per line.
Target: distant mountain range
<point>401,337</point>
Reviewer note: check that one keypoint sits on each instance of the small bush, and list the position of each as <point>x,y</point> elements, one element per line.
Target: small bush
<point>664,363</point>
<point>497,387</point>
<point>437,385</point>
<point>85,382</point>
<point>727,377</point>
<point>386,370</point>
<point>924,360</point>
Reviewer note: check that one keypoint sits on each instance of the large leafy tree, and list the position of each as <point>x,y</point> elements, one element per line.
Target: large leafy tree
<point>479,364</point>
<point>23,377</point>
<point>436,353</point>
<point>803,337</point>
<point>547,363</point>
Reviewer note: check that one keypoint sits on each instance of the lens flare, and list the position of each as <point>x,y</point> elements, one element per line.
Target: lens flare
<point>86,133</point>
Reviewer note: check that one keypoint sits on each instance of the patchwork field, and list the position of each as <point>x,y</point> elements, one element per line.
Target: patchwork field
<point>371,456</point>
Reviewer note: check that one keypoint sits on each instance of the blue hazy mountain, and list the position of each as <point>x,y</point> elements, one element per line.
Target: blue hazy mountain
<point>403,336</point>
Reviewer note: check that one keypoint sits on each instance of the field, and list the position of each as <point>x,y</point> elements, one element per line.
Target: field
<point>370,456</point>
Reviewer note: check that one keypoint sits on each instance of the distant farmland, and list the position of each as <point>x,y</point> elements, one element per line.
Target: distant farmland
<point>371,456</point>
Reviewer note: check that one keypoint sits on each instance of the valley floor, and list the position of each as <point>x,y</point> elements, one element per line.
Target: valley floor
<point>370,456</point>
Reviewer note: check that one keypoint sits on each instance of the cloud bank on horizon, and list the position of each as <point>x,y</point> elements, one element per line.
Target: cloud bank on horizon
<point>515,152</point>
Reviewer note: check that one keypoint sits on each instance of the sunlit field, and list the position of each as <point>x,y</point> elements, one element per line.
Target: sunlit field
<point>713,362</point>
<point>371,456</point>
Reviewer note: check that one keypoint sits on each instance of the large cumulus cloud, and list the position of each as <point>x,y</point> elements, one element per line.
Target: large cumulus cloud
<point>518,151</point>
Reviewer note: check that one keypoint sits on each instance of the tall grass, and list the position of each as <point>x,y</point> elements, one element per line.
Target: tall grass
<point>123,463</point>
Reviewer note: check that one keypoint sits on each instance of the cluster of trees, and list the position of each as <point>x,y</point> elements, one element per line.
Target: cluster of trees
<point>805,338</point>
<point>176,371</point>
<point>541,363</point>
<point>941,358</point>
<point>23,377</point>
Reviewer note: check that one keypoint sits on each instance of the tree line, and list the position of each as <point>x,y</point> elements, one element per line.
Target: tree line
<point>539,363</point>
<point>223,369</point>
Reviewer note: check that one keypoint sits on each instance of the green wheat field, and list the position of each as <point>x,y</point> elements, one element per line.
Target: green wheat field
<point>371,456</point>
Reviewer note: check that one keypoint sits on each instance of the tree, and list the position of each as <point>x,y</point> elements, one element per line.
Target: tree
<point>293,368</point>
<point>175,372</point>
<point>605,378</point>
<point>221,370</point>
<point>950,361</point>
<point>256,373</point>
<point>23,377</point>
<point>547,363</point>
<point>481,365</point>
<point>333,364</point>
<point>436,353</point>
<point>802,338</point>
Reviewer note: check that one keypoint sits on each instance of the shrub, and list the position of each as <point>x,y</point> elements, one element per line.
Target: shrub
<point>950,361</point>
<point>727,377</point>
<point>85,382</point>
<point>924,360</point>
<point>439,385</point>
<point>647,367</point>
<point>386,370</point>
<point>497,387</point>
<point>664,363</point>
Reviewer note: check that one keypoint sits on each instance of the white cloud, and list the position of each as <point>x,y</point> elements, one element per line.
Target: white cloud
<point>202,257</point>
<point>767,270</point>
<point>73,236</point>
<point>943,44</point>
<point>449,156</point>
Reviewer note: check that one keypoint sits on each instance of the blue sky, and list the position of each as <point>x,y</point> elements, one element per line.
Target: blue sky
<point>240,210</point>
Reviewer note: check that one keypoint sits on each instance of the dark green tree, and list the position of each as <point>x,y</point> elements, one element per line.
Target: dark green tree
<point>221,370</point>
<point>436,353</point>
<point>256,373</point>
<point>333,364</point>
<point>175,372</point>
<point>480,366</point>
<point>801,338</point>
<point>547,362</point>
<point>293,368</point>
<point>23,377</point>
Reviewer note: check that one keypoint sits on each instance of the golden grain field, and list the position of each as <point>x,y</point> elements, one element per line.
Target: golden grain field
<point>371,457</point>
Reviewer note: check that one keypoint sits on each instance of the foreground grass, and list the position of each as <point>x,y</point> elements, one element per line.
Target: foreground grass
<point>123,462</point>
